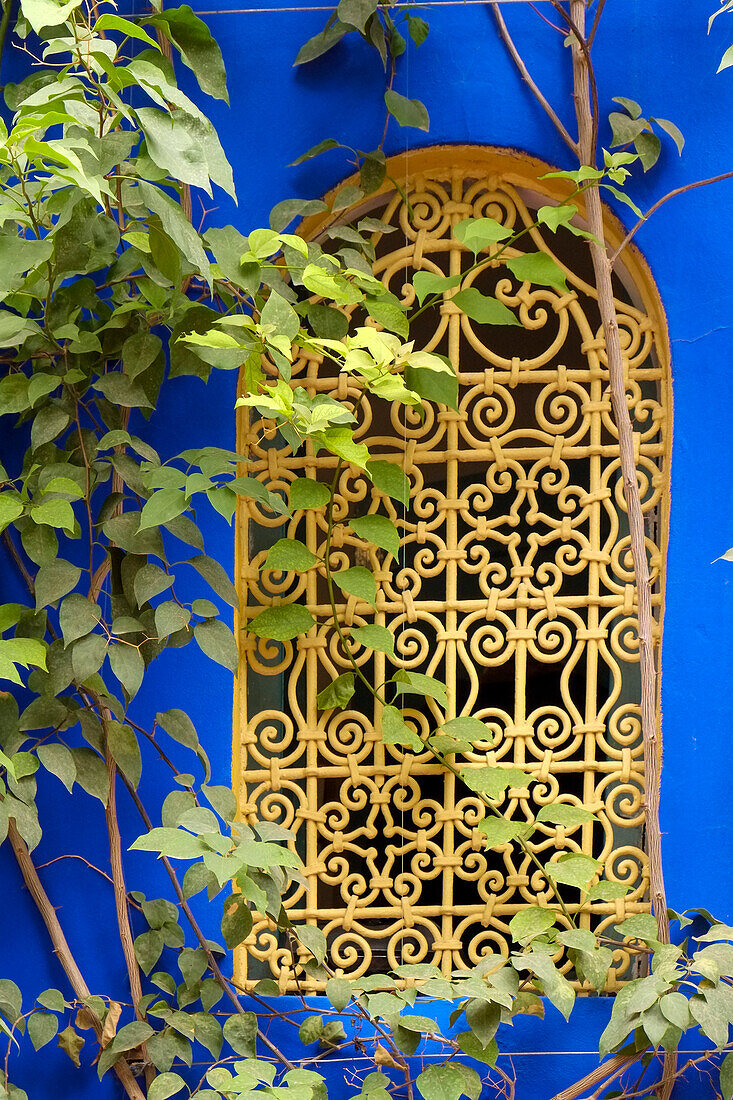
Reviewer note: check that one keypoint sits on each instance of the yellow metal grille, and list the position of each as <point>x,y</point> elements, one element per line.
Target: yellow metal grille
<point>514,587</point>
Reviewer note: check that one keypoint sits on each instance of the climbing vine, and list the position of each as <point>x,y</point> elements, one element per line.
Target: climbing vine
<point>111,293</point>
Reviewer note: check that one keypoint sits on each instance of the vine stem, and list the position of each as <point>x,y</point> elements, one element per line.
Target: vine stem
<point>660,202</point>
<point>61,948</point>
<point>583,83</point>
<point>534,89</point>
<point>484,799</point>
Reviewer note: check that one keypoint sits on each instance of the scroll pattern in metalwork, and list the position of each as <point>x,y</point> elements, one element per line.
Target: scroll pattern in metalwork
<point>513,587</point>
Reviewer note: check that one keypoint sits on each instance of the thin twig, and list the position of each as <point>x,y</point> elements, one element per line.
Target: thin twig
<point>524,73</point>
<point>660,202</point>
<point>596,22</point>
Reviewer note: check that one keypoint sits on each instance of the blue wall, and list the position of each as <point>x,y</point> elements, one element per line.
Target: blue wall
<point>656,53</point>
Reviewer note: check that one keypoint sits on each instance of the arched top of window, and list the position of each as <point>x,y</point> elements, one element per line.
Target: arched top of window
<point>513,586</point>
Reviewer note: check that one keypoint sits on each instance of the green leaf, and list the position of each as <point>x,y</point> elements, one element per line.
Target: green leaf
<point>311,1030</point>
<point>148,948</point>
<point>726,1077</point>
<point>199,51</point>
<point>175,223</point>
<point>236,923</point>
<point>52,999</point>
<point>337,693</point>
<point>642,926</point>
<point>359,582</point>
<point>478,233</point>
<point>395,730</point>
<point>91,773</point>
<point>674,132</point>
<point>338,991</point>
<point>483,1018</point>
<point>374,637</point>
<point>607,891</point>
<point>283,212</point>
<point>445,1082</point>
<point>418,29</point>
<point>494,781</point>
<point>290,554</point>
<point>281,623</point>
<point>712,1014</point>
<point>440,387</point>
<point>42,1026</point>
<point>389,315</point>
<point>483,310</point>
<point>57,760</point>
<point>54,513</point>
<point>131,1036</point>
<point>128,665</point>
<point>556,987</point>
<point>417,683</point>
<point>169,617</point>
<point>531,922</point>
<point>538,268</point>
<point>240,1032</point>
<point>470,1045</point>
<point>499,830</point>
<point>216,640</point>
<point>109,22</point>
<point>629,105</point>
<point>315,150</point>
<point>78,616</point>
<point>674,1007</point>
<point>186,146</point>
<point>312,938</point>
<point>427,282</point>
<point>356,12</point>
<point>574,870</point>
<point>341,442</point>
<point>87,655</point>
<point>305,493</point>
<point>563,813</point>
<point>555,216</point>
<point>125,750</point>
<point>216,577</point>
<point>649,147</point>
<point>281,314</point>
<point>10,509</point>
<point>313,48</point>
<point>165,1085</point>
<point>328,323</point>
<point>624,129</point>
<point>47,13</point>
<point>390,479</point>
<point>20,651</point>
<point>179,726</point>
<point>407,112</point>
<point>623,197</point>
<point>175,843</point>
<point>11,999</point>
<point>466,729</point>
<point>163,505</point>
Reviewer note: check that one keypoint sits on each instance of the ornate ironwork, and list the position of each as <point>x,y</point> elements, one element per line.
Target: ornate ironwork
<point>514,586</point>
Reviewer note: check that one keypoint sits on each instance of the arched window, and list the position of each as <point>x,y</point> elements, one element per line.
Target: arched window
<point>514,587</point>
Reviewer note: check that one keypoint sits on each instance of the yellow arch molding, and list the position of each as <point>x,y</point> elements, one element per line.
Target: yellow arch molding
<point>515,581</point>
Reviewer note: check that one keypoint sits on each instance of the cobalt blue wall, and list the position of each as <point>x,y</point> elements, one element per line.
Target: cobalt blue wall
<point>658,54</point>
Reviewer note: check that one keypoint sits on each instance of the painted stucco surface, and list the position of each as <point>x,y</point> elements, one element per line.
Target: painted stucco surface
<point>656,53</point>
